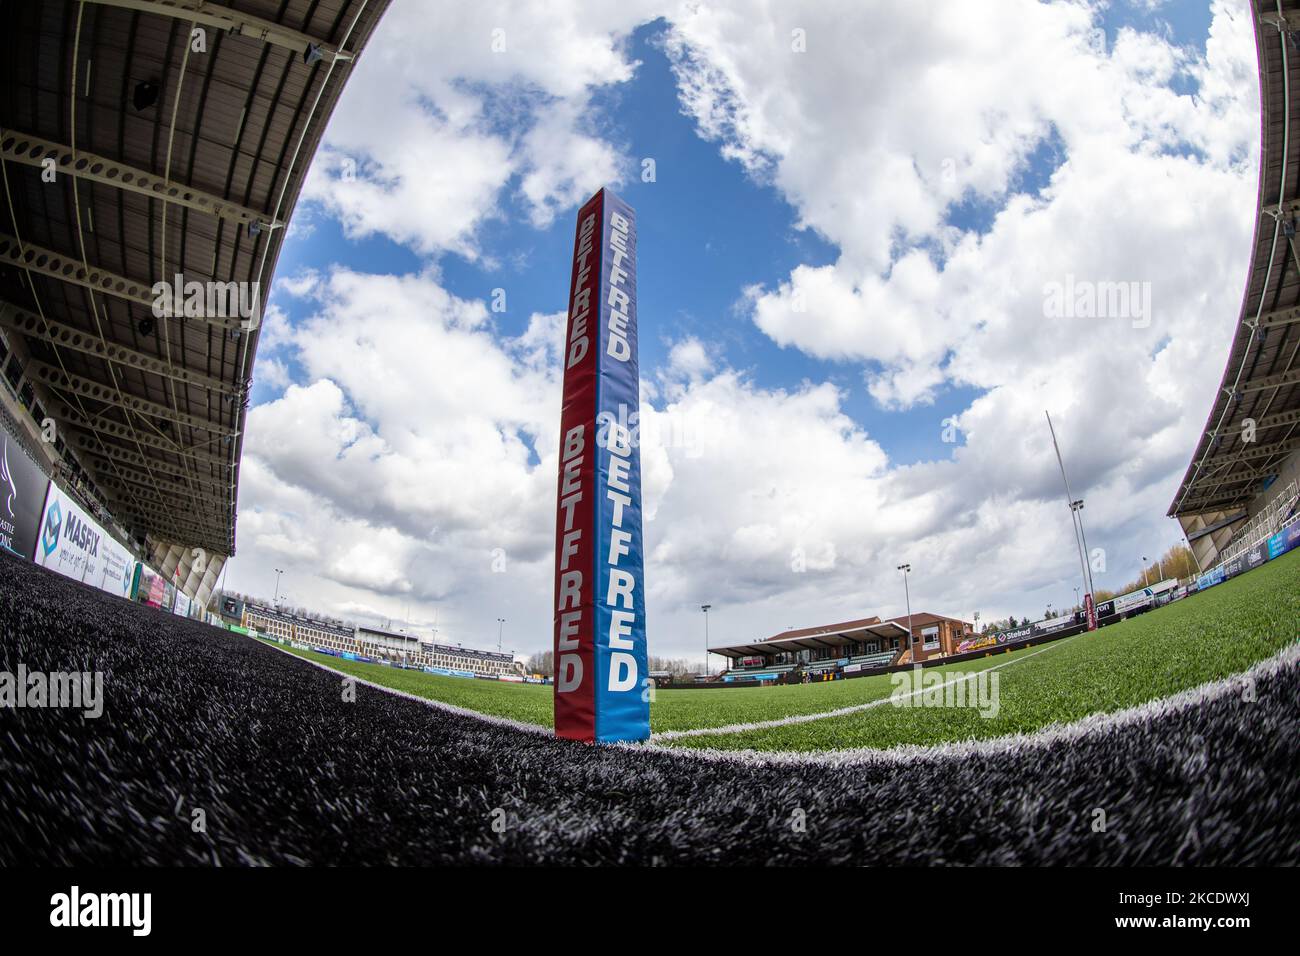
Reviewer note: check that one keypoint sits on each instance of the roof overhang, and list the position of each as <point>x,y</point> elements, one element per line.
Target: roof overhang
<point>885,630</point>
<point>1252,426</point>
<point>130,157</point>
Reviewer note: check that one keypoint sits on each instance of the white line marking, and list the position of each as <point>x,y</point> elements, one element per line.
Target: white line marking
<point>1050,736</point>
<point>436,704</point>
<point>852,709</point>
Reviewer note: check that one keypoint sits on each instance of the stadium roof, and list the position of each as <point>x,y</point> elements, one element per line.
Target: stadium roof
<point>167,160</point>
<point>1261,381</point>
<point>811,638</point>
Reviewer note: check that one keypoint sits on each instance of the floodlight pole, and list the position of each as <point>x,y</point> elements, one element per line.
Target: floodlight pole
<point>501,623</point>
<point>1078,510</point>
<point>705,609</point>
<point>1075,519</point>
<point>911,640</point>
<point>276,600</point>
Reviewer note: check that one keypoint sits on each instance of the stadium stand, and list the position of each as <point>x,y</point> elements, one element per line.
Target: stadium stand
<point>848,647</point>
<point>1276,514</point>
<point>395,647</point>
<point>413,650</point>
<point>289,773</point>
<point>1247,461</point>
<point>167,161</point>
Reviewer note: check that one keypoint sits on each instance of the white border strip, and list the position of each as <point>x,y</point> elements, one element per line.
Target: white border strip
<point>1053,734</point>
<point>852,709</point>
<point>435,704</point>
<point>1093,725</point>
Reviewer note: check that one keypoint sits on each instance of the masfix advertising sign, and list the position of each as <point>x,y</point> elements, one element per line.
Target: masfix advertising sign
<point>22,498</point>
<point>73,543</point>
<point>600,639</point>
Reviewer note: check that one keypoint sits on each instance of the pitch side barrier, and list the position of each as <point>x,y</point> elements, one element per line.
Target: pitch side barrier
<point>1270,549</point>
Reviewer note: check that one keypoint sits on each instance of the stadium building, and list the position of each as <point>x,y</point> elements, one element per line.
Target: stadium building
<point>417,651</point>
<point>395,647</point>
<point>143,145</point>
<point>295,628</point>
<point>848,647</point>
<point>1242,487</point>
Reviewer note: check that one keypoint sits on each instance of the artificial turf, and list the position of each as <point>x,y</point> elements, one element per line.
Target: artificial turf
<point>289,771</point>
<point>1207,636</point>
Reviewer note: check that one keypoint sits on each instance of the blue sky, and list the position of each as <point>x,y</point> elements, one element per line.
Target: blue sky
<point>707,231</point>
<point>1129,116</point>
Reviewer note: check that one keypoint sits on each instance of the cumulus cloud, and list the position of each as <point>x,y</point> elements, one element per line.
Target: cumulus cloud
<point>477,98</point>
<point>415,461</point>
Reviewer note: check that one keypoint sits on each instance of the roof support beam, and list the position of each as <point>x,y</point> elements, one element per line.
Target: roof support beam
<point>135,466</point>
<point>52,377</point>
<point>1277,318</point>
<point>65,268</point>
<point>177,484</point>
<point>1291,417</point>
<point>223,18</point>
<point>75,419</point>
<point>17,319</point>
<point>145,511</point>
<point>20,147</point>
<point>118,488</point>
<point>1271,381</point>
<point>1262,451</point>
<point>1216,500</point>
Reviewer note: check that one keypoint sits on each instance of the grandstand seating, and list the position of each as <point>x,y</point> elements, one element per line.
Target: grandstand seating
<point>873,660</point>
<point>759,672</point>
<point>816,667</point>
<point>1270,519</point>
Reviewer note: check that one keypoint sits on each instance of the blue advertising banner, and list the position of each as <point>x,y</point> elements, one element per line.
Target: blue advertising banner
<point>1284,541</point>
<point>622,690</point>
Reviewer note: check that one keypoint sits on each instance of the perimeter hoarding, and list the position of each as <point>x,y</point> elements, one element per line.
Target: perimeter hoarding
<point>601,690</point>
<point>73,543</point>
<point>22,496</point>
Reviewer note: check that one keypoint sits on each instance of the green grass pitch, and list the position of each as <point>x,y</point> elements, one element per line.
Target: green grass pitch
<point>1205,637</point>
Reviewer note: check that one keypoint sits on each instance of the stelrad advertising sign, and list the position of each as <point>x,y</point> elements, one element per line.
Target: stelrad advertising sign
<point>601,688</point>
<point>22,496</point>
<point>72,543</point>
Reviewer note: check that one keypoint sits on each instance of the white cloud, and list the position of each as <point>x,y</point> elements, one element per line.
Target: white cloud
<point>475,96</point>
<point>421,445</point>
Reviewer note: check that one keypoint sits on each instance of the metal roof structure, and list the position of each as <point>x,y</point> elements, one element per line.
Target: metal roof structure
<point>1252,428</point>
<point>142,141</point>
<point>812,638</point>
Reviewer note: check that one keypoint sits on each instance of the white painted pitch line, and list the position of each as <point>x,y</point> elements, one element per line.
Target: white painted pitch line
<point>1050,736</point>
<point>1094,725</point>
<point>428,701</point>
<point>852,709</point>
